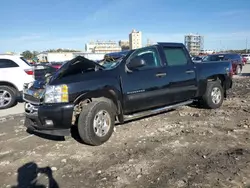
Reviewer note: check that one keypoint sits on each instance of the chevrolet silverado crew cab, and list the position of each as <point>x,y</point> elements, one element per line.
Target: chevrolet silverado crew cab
<point>149,80</point>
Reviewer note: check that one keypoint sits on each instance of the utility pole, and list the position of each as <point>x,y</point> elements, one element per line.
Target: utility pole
<point>220,46</point>
<point>246,46</point>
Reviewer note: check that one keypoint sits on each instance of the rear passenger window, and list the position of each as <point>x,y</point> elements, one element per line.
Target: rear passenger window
<point>6,63</point>
<point>175,56</point>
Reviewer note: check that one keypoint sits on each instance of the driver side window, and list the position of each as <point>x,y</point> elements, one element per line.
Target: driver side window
<point>149,55</point>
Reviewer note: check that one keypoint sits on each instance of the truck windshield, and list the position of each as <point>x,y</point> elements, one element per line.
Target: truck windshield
<point>110,64</point>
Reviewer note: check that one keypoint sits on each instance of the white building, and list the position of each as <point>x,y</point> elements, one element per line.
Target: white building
<point>102,47</point>
<point>194,43</point>
<point>55,56</point>
<point>135,39</point>
<point>42,57</point>
<point>91,56</point>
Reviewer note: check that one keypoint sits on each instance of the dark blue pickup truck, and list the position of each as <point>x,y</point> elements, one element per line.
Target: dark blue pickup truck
<point>149,80</point>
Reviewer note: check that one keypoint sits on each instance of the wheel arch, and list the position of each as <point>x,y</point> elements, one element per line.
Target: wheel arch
<point>103,94</point>
<point>5,83</point>
<point>218,77</point>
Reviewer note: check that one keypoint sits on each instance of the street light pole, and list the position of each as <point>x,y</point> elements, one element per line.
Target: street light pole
<point>246,46</point>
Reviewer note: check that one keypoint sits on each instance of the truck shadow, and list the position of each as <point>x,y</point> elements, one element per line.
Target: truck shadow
<point>245,74</point>
<point>45,136</point>
<point>28,176</point>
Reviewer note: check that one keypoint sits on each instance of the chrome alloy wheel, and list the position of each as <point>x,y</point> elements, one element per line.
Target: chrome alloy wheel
<point>102,123</point>
<point>216,95</point>
<point>5,98</point>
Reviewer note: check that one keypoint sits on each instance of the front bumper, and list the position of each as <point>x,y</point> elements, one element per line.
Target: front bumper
<point>51,119</point>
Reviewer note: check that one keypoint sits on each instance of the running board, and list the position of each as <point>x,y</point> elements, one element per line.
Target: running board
<point>155,111</point>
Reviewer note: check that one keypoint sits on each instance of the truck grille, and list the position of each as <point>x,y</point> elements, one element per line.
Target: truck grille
<point>31,98</point>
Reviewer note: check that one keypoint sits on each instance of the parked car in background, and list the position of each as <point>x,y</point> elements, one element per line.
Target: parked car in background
<point>247,57</point>
<point>15,71</point>
<point>197,59</point>
<point>244,60</point>
<point>41,70</point>
<point>57,65</point>
<point>146,81</point>
<point>234,58</point>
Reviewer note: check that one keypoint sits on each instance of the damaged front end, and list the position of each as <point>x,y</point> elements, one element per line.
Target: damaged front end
<point>34,92</point>
<point>42,117</point>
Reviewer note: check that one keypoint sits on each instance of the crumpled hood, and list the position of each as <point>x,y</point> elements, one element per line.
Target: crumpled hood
<point>78,63</point>
<point>36,89</point>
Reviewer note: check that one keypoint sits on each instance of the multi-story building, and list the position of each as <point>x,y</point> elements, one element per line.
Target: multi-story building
<point>207,51</point>
<point>102,47</point>
<point>194,43</point>
<point>135,39</point>
<point>124,44</point>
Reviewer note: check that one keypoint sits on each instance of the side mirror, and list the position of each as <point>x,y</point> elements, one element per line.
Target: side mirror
<point>136,63</point>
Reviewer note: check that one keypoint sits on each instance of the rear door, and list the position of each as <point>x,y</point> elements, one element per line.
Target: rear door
<point>181,74</point>
<point>9,71</point>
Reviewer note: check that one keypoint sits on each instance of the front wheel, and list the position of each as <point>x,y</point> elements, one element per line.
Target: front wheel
<point>214,96</point>
<point>7,97</point>
<point>96,122</point>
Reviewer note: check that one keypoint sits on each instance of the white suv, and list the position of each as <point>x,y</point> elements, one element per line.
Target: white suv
<point>247,56</point>
<point>15,71</point>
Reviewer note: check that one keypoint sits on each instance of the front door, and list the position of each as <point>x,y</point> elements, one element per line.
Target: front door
<point>143,88</point>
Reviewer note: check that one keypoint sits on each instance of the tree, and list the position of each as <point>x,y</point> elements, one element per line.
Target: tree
<point>27,54</point>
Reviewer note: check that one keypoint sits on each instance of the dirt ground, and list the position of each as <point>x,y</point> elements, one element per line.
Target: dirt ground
<point>187,147</point>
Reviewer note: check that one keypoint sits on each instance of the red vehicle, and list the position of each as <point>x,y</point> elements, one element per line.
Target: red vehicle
<point>244,60</point>
<point>56,65</point>
<point>234,58</point>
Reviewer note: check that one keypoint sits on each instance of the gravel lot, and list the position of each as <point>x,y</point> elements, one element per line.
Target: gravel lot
<point>187,147</point>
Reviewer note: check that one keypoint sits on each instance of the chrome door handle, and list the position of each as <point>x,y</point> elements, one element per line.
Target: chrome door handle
<point>161,74</point>
<point>189,71</point>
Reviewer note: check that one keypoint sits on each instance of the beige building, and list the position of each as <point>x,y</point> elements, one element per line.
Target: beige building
<point>135,39</point>
<point>194,43</point>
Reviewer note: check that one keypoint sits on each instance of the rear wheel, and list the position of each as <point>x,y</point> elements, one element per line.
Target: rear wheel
<point>7,97</point>
<point>238,70</point>
<point>214,96</point>
<point>96,122</point>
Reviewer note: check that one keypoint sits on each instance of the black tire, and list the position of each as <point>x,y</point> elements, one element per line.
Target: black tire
<point>86,122</point>
<point>207,98</point>
<point>13,95</point>
<point>238,70</point>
